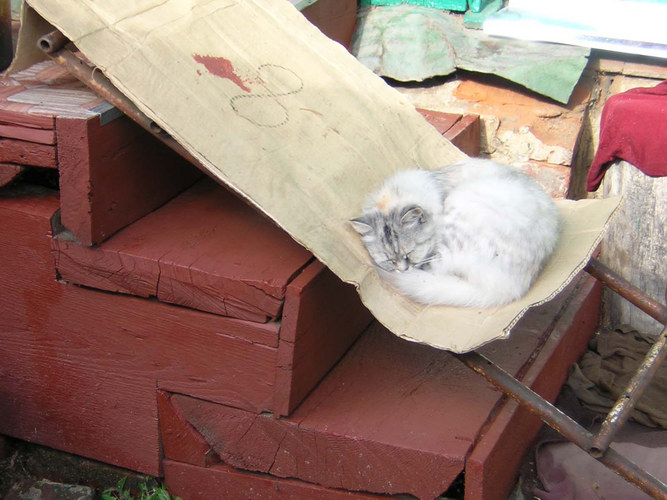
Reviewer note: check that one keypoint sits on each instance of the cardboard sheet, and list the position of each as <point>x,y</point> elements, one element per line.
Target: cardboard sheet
<point>291,121</point>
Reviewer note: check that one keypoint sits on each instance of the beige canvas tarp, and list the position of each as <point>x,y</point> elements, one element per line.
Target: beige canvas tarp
<point>292,122</point>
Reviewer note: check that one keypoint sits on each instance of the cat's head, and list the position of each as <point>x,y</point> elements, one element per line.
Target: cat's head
<point>398,240</point>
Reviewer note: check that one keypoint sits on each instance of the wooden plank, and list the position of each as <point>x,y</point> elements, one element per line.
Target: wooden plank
<point>37,135</point>
<point>180,441</point>
<point>322,317</point>
<point>461,130</point>
<point>18,114</point>
<point>440,120</point>
<point>205,249</point>
<point>465,134</point>
<point>492,466</point>
<point>9,172</point>
<point>635,245</point>
<point>198,483</point>
<point>80,367</point>
<point>290,449</point>
<point>114,174</point>
<point>27,153</point>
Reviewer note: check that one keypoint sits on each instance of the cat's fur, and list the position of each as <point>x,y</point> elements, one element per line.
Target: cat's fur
<point>473,234</point>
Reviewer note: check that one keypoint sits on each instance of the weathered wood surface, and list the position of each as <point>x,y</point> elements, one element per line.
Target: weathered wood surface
<point>205,249</point>
<point>198,483</point>
<point>400,418</point>
<point>27,153</point>
<point>491,468</point>
<point>180,441</point>
<point>113,174</point>
<point>465,134</point>
<point>461,130</point>
<point>635,245</point>
<point>321,318</point>
<point>80,367</point>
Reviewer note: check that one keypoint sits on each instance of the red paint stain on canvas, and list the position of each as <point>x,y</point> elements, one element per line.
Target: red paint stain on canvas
<point>219,66</point>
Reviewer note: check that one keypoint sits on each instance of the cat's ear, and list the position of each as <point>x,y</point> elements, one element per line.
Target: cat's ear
<point>361,225</point>
<point>413,216</point>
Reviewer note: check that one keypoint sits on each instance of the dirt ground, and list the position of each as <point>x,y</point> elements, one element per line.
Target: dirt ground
<point>24,465</point>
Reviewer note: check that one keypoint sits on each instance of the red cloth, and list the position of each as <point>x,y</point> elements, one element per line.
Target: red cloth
<point>633,128</point>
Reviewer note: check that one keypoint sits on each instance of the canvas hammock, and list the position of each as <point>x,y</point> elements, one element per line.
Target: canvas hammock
<point>290,120</point>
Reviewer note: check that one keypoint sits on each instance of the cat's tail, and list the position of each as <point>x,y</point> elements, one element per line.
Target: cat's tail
<point>451,290</point>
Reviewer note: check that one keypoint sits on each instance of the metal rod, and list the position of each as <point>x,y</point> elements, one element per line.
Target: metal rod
<point>620,413</point>
<point>627,290</point>
<point>101,85</point>
<point>562,423</point>
<point>52,42</point>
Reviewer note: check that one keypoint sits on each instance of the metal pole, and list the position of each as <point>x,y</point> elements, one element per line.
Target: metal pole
<point>627,290</point>
<point>562,423</point>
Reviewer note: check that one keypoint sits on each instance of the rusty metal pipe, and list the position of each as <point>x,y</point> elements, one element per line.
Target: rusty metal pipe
<point>627,290</point>
<point>620,413</point>
<point>562,423</point>
<point>52,42</point>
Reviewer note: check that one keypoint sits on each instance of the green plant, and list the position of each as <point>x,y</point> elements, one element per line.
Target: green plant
<point>120,492</point>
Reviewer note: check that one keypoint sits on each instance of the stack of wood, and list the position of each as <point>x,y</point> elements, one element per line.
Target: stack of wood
<point>152,320</point>
<point>30,103</point>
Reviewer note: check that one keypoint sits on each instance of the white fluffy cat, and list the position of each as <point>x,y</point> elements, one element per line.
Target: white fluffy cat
<point>472,234</point>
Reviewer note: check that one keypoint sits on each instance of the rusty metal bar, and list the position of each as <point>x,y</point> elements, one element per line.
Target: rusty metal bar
<point>53,44</point>
<point>627,290</point>
<point>620,413</point>
<point>562,423</point>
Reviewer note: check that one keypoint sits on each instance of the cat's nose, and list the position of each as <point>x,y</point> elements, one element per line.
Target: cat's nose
<point>402,265</point>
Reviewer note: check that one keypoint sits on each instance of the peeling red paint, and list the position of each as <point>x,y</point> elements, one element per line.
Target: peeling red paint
<point>219,66</point>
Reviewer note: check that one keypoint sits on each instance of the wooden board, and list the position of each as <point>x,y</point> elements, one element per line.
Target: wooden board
<point>461,130</point>
<point>199,483</point>
<point>80,367</point>
<point>113,174</point>
<point>27,153</point>
<point>321,319</point>
<point>206,249</point>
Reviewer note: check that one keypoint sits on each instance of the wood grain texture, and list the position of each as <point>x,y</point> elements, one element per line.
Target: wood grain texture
<point>291,449</point>
<point>40,136</point>
<point>80,367</point>
<point>198,483</point>
<point>399,418</point>
<point>180,441</point>
<point>19,115</point>
<point>492,466</point>
<point>465,134</point>
<point>113,174</point>
<point>635,245</point>
<point>461,130</point>
<point>205,249</point>
<point>27,153</point>
<point>322,317</point>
